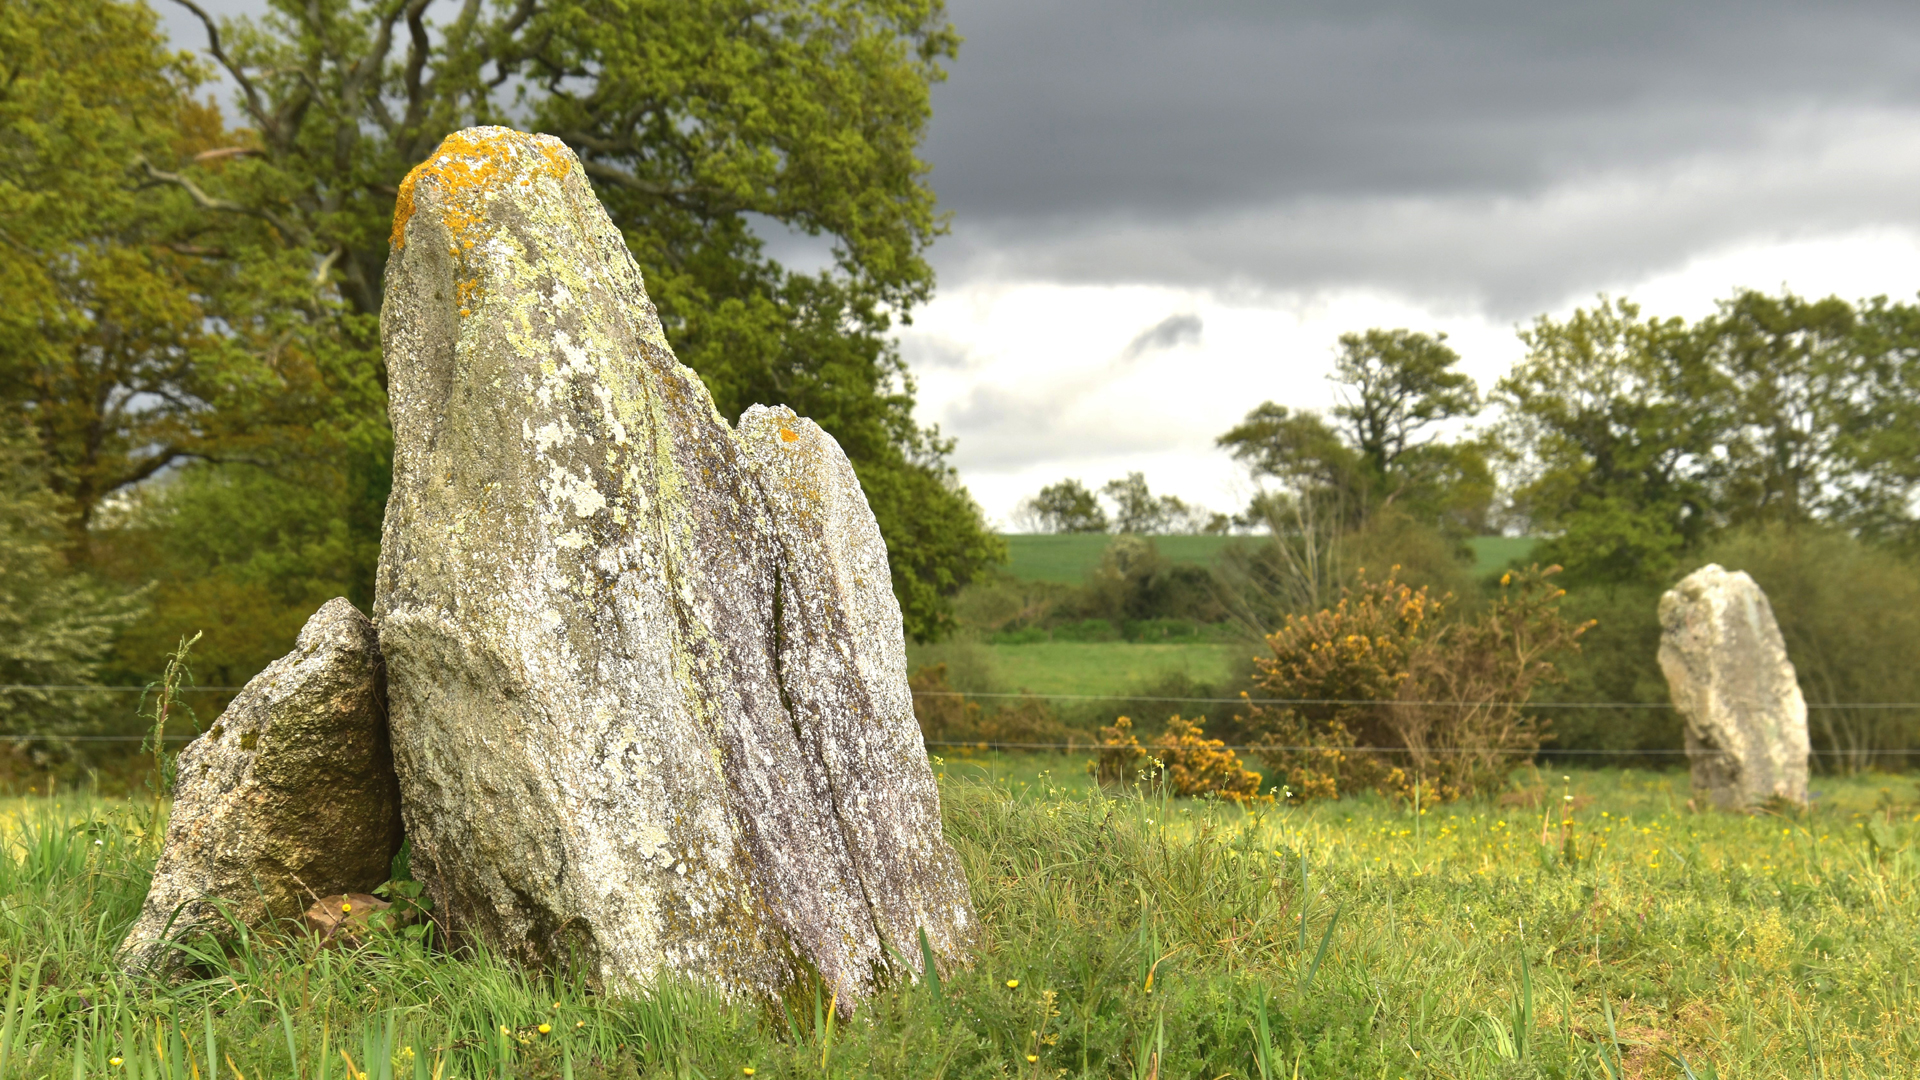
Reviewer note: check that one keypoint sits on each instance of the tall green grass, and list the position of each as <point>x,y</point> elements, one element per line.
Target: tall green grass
<point>1126,936</point>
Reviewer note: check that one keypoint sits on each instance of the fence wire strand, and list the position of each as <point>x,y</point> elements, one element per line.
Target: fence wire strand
<point>1089,746</point>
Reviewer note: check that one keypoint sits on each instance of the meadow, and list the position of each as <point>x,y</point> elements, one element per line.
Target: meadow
<point>1108,667</point>
<point>1585,924</point>
<point>1067,558</point>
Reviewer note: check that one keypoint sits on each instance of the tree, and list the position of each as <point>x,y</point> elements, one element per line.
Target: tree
<point>1141,513</point>
<point>1608,437</point>
<point>1796,390</point>
<point>1376,474</point>
<point>56,625</point>
<point>1394,386</point>
<point>694,120</point>
<point>1298,449</point>
<point>125,327</point>
<point>1635,440</point>
<point>1877,497</point>
<point>1066,507</point>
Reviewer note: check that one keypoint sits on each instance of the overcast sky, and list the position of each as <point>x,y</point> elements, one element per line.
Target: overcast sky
<point>1165,213</point>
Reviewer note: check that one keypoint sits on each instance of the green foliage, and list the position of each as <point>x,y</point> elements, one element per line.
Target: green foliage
<point>694,121</point>
<point>135,335</point>
<point>1068,559</point>
<point>242,554</point>
<point>1376,486</point>
<point>1069,508</point>
<point>1122,934</point>
<point>1632,440</point>
<point>1301,565</point>
<point>1604,430</point>
<point>1393,386</point>
<point>57,625</point>
<point>1141,513</point>
<point>1065,507</point>
<point>1616,666</point>
<point>1304,453</point>
<point>1134,582</point>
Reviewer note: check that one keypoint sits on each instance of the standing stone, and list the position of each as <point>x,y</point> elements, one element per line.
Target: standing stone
<point>290,796</point>
<point>843,667</point>
<point>580,602</point>
<point>1728,673</point>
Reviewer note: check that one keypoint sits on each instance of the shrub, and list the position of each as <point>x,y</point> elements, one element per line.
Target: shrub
<point>1379,692</point>
<point>1192,764</point>
<point>1122,758</point>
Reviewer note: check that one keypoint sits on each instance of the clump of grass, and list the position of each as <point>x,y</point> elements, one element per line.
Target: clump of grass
<point>1127,934</point>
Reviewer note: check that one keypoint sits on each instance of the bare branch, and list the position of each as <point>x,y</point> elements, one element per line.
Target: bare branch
<point>223,153</point>
<point>416,61</point>
<point>325,267</point>
<point>214,48</point>
<point>208,202</point>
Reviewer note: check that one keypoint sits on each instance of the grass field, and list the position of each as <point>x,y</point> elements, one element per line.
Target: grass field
<point>1124,937</point>
<point>1068,559</point>
<point>1492,553</point>
<point>1071,667</point>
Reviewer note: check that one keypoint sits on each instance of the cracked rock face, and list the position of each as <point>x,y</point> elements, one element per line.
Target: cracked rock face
<point>1729,675</point>
<point>288,797</point>
<point>643,719</point>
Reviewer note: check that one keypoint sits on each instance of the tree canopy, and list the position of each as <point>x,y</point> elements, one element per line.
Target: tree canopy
<point>198,302</point>
<point>1394,388</point>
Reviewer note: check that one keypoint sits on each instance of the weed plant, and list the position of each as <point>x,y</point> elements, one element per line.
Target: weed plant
<point>1127,935</point>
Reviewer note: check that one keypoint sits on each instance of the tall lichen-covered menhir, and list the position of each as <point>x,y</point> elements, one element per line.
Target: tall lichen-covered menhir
<point>648,683</point>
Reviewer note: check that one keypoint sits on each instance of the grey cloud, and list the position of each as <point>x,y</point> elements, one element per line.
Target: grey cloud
<point>1077,105</point>
<point>1170,332</point>
<point>1451,149</point>
<point>998,428</point>
<point>1507,256</point>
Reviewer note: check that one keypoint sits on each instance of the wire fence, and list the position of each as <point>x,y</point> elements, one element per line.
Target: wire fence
<point>1090,745</point>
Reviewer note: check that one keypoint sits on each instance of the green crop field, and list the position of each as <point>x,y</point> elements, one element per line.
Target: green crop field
<point>1492,553</point>
<point>1070,667</point>
<point>1123,935</point>
<point>1069,558</point>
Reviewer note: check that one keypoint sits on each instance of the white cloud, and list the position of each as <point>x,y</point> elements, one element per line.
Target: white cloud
<point>1044,393</point>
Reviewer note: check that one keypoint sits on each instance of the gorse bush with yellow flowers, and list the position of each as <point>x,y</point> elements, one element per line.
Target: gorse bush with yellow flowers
<point>1382,692</point>
<point>1191,764</point>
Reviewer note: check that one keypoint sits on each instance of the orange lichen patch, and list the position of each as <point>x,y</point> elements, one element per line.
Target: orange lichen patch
<point>787,435</point>
<point>467,165</point>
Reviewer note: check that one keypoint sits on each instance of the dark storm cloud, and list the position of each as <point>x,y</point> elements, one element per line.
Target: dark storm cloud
<point>1170,332</point>
<point>1485,151</point>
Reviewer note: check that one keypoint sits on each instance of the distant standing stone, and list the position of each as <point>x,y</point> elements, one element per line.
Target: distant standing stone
<point>289,797</point>
<point>1729,675</point>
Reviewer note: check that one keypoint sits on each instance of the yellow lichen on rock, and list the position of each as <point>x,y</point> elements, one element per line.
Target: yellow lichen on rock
<point>469,165</point>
